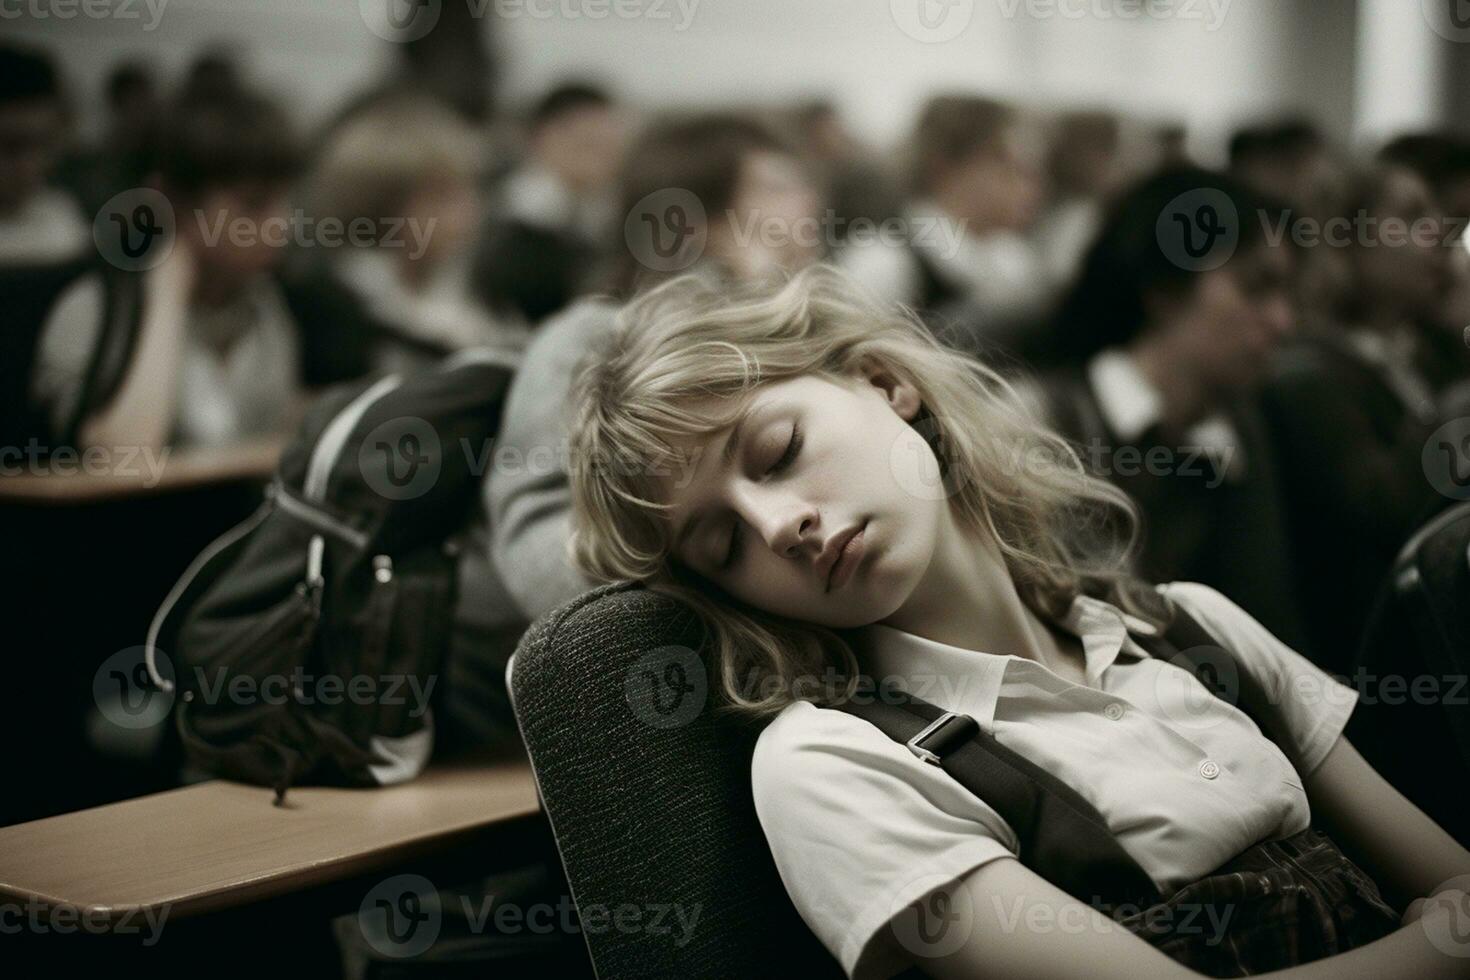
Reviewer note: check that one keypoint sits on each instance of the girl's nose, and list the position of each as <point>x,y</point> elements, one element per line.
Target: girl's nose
<point>793,542</point>
<point>788,531</point>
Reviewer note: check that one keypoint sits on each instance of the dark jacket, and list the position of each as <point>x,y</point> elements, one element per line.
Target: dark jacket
<point>1350,455</point>
<point>1197,524</point>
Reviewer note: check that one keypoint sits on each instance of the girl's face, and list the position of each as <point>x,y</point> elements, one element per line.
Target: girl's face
<point>820,503</point>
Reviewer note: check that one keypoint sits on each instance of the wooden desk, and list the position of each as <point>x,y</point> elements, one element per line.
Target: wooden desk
<point>218,845</point>
<point>78,481</point>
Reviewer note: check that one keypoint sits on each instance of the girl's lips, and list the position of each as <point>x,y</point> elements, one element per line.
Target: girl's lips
<point>848,560</point>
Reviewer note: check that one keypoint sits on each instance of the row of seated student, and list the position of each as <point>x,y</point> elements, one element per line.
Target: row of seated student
<point>1282,423</point>
<point>1291,389</point>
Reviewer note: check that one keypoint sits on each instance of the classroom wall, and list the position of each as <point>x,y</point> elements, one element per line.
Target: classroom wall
<point>1208,63</point>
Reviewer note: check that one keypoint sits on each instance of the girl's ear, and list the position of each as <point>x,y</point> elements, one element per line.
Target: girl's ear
<point>902,396</point>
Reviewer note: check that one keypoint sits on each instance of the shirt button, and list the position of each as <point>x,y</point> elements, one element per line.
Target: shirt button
<point>1208,769</point>
<point>1114,711</point>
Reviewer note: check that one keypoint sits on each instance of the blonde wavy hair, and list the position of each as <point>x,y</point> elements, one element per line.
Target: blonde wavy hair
<point>1061,532</point>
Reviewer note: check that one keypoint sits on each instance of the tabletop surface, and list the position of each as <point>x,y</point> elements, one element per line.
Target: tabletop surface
<point>94,476</point>
<point>219,844</point>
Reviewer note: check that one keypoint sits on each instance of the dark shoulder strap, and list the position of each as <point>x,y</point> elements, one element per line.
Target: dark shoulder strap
<point>1062,837</point>
<point>1187,644</point>
<point>112,354</point>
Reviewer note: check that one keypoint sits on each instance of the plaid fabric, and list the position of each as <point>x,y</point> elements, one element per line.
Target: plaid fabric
<point>1277,904</point>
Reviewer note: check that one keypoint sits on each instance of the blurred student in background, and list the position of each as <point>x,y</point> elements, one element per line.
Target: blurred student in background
<point>744,179</point>
<point>1159,392</point>
<point>1351,404</point>
<point>760,210</point>
<point>551,217</point>
<point>977,187</point>
<point>223,348</point>
<point>408,169</point>
<point>39,223</point>
<point>859,188</point>
<point>129,146</point>
<point>1443,162</point>
<point>1287,161</point>
<point>1084,170</point>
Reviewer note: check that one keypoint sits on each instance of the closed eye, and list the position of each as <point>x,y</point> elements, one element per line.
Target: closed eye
<point>793,446</point>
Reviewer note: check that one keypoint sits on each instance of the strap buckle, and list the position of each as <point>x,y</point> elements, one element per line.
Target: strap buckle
<point>932,728</point>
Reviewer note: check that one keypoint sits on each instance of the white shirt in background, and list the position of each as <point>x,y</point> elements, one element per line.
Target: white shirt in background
<point>249,387</point>
<point>47,228</point>
<point>999,272</point>
<point>1130,403</point>
<point>440,312</point>
<point>239,365</point>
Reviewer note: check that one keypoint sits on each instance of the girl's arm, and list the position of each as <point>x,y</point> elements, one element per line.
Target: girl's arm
<point>1400,847</point>
<point>1016,924</point>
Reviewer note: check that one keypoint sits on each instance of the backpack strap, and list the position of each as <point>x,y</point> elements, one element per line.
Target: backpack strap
<point>1061,835</point>
<point>1187,644</point>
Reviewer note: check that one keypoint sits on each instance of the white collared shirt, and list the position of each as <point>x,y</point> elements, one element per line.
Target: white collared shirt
<point>1130,403</point>
<point>999,271</point>
<point>1392,355</point>
<point>860,828</point>
<point>48,227</point>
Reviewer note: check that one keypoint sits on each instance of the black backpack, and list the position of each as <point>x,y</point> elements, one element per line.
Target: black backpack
<point>306,644</point>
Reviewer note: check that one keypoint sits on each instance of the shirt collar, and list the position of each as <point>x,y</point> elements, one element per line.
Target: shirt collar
<point>1128,400</point>
<point>970,681</point>
<point>535,196</point>
<point>1130,403</point>
<point>1393,355</point>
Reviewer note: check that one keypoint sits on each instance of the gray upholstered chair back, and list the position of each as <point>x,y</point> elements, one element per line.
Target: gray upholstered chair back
<point>648,793</point>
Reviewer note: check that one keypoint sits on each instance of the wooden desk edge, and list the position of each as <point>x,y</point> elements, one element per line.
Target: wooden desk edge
<point>181,471</point>
<point>297,879</point>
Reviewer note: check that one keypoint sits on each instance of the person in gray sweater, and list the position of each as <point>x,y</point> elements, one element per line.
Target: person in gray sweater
<point>527,493</point>
<point>735,171</point>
